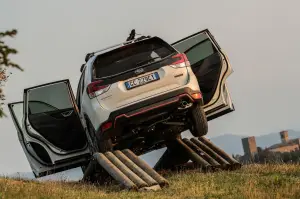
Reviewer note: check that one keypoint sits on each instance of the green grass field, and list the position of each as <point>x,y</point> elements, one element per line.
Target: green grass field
<point>255,181</point>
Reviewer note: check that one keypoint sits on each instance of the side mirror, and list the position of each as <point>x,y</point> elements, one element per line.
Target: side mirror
<point>81,68</point>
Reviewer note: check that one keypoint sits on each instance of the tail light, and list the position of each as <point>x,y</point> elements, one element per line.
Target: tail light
<point>97,88</point>
<point>180,61</point>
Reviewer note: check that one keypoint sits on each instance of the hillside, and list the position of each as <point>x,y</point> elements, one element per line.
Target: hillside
<point>232,144</point>
<point>255,181</point>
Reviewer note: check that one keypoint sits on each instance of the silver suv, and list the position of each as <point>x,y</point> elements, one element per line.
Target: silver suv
<point>139,94</point>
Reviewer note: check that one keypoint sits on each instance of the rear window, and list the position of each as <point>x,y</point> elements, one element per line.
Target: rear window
<point>131,56</point>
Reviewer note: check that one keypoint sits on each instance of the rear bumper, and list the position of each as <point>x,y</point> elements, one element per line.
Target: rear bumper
<point>147,108</point>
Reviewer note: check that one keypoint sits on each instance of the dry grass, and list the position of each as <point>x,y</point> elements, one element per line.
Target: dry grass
<point>255,181</point>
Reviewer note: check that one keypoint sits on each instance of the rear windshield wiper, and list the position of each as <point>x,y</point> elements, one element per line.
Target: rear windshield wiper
<point>146,61</point>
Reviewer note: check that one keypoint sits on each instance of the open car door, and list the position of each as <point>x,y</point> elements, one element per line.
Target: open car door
<point>211,67</point>
<point>49,128</point>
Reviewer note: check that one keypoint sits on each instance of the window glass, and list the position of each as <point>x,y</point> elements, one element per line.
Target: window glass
<point>200,52</point>
<point>40,107</point>
<point>131,56</point>
<point>49,98</point>
<point>190,42</point>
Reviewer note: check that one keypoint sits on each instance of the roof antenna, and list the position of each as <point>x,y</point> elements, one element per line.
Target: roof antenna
<point>131,35</point>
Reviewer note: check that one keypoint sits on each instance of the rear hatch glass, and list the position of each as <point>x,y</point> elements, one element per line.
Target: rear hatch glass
<point>131,56</point>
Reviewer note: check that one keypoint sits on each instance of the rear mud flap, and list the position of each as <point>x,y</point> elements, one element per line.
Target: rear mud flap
<point>200,151</point>
<point>127,169</point>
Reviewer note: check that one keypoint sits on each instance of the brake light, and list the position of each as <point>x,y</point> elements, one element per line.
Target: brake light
<point>106,126</point>
<point>95,89</point>
<point>181,61</point>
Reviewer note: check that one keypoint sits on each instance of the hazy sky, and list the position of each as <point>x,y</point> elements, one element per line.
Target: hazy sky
<point>261,39</point>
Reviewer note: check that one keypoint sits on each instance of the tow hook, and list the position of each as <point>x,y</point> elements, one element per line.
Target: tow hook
<point>185,105</point>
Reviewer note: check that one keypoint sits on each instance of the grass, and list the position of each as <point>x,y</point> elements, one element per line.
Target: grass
<point>254,181</point>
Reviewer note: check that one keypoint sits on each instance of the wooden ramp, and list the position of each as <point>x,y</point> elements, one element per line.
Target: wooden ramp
<point>128,169</point>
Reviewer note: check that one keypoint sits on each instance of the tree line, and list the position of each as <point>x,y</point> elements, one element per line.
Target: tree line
<point>5,63</point>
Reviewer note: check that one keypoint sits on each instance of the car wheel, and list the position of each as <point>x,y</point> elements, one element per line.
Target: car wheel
<point>199,121</point>
<point>98,144</point>
<point>93,138</point>
<point>105,145</point>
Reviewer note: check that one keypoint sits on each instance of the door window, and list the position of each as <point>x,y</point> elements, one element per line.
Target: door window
<point>200,52</point>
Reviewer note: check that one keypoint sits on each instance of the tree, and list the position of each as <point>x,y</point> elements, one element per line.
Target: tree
<point>5,62</point>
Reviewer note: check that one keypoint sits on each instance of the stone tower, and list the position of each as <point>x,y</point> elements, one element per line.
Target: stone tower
<point>284,135</point>
<point>249,145</point>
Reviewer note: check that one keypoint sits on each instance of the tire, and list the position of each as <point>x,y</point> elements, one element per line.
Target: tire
<point>98,145</point>
<point>199,121</point>
<point>105,145</point>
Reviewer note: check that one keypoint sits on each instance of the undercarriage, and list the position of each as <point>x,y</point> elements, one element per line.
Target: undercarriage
<point>154,130</point>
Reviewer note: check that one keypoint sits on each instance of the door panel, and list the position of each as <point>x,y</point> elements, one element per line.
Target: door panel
<point>49,129</point>
<point>207,72</point>
<point>52,116</point>
<point>211,67</point>
<point>58,128</point>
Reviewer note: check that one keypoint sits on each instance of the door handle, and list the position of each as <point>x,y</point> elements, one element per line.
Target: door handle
<point>67,113</point>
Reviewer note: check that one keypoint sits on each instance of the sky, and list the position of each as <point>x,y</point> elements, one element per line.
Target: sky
<point>261,39</point>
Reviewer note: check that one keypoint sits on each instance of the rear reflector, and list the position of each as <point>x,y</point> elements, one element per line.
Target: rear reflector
<point>105,126</point>
<point>196,96</point>
<point>97,88</point>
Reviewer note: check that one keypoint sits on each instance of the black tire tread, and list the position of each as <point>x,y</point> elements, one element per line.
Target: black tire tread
<point>200,126</point>
<point>98,144</point>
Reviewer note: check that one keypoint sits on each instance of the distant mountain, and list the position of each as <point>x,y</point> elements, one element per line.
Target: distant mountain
<point>232,144</point>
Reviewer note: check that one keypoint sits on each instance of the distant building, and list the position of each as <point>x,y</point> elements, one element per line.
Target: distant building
<point>286,145</point>
<point>252,153</point>
<point>249,146</point>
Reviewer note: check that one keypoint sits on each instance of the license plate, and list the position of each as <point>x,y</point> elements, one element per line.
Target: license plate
<point>142,80</point>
